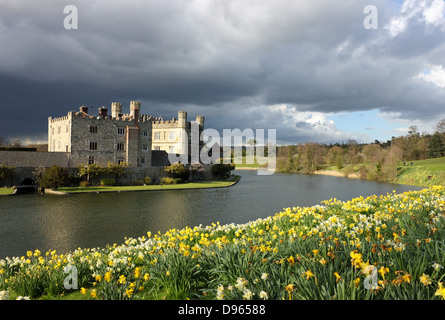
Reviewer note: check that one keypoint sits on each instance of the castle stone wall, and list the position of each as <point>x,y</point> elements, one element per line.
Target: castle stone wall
<point>34,159</point>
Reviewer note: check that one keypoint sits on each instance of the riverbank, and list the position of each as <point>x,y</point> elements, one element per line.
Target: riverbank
<point>161,187</point>
<point>421,173</point>
<point>337,174</point>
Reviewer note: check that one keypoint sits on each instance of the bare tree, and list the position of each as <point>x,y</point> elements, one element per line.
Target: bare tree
<point>441,126</point>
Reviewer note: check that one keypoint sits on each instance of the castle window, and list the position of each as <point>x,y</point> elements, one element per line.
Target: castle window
<point>120,146</point>
<point>171,135</point>
<point>90,159</point>
<point>93,145</point>
<point>157,135</point>
<point>144,147</point>
<point>93,129</point>
<point>120,160</point>
<point>142,160</point>
<point>120,130</point>
<point>171,149</point>
<point>145,133</point>
<point>157,148</point>
<point>58,130</point>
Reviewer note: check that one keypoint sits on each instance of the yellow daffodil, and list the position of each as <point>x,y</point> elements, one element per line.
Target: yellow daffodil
<point>407,277</point>
<point>383,271</point>
<point>291,260</point>
<point>121,279</point>
<point>129,292</point>
<point>425,279</point>
<point>83,290</point>
<point>289,287</point>
<point>337,276</point>
<point>107,276</point>
<point>440,291</point>
<point>308,274</point>
<point>137,272</point>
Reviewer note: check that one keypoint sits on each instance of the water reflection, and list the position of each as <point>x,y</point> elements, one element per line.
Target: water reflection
<point>65,223</point>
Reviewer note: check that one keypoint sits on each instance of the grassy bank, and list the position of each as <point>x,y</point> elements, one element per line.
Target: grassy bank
<point>181,186</point>
<point>423,172</point>
<point>429,172</point>
<point>6,191</point>
<point>379,247</point>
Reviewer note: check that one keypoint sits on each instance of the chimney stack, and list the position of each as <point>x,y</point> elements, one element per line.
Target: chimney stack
<point>103,112</point>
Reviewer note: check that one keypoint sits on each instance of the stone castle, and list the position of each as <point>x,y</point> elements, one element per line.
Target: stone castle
<point>119,137</point>
<point>81,138</point>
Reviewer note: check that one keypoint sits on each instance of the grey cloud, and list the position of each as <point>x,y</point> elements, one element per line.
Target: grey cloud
<point>229,60</point>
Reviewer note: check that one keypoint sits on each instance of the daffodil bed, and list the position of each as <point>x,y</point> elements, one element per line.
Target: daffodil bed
<point>379,247</point>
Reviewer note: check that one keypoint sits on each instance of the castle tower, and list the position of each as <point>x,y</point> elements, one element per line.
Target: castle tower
<point>116,109</point>
<point>135,107</point>
<point>200,120</point>
<point>182,119</point>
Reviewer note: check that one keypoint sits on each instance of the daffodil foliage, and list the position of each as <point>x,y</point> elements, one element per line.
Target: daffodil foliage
<point>378,247</point>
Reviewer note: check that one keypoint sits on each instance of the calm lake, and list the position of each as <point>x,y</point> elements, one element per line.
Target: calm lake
<point>64,223</point>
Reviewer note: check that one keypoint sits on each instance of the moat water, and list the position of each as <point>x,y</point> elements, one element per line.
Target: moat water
<point>64,223</point>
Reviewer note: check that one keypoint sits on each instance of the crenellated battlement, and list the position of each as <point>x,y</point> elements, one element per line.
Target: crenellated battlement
<point>162,121</point>
<point>59,119</point>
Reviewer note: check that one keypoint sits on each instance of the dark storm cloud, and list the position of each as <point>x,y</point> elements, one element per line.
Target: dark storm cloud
<point>239,63</point>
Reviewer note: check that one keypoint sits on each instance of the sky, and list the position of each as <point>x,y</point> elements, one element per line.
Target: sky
<point>313,70</point>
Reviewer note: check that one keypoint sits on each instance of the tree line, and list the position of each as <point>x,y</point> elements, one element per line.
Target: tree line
<point>376,161</point>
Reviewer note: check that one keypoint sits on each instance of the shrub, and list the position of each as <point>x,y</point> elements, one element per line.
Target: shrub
<point>178,170</point>
<point>54,177</point>
<point>137,182</point>
<point>147,180</point>
<point>83,184</point>
<point>167,180</point>
<point>222,170</point>
<point>74,181</point>
<point>107,182</point>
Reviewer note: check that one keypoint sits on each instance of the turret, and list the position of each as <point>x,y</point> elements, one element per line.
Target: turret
<point>200,120</point>
<point>182,119</point>
<point>135,107</point>
<point>116,109</point>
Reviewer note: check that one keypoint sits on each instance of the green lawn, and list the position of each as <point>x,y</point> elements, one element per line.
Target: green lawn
<point>6,190</point>
<point>431,164</point>
<point>191,185</point>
